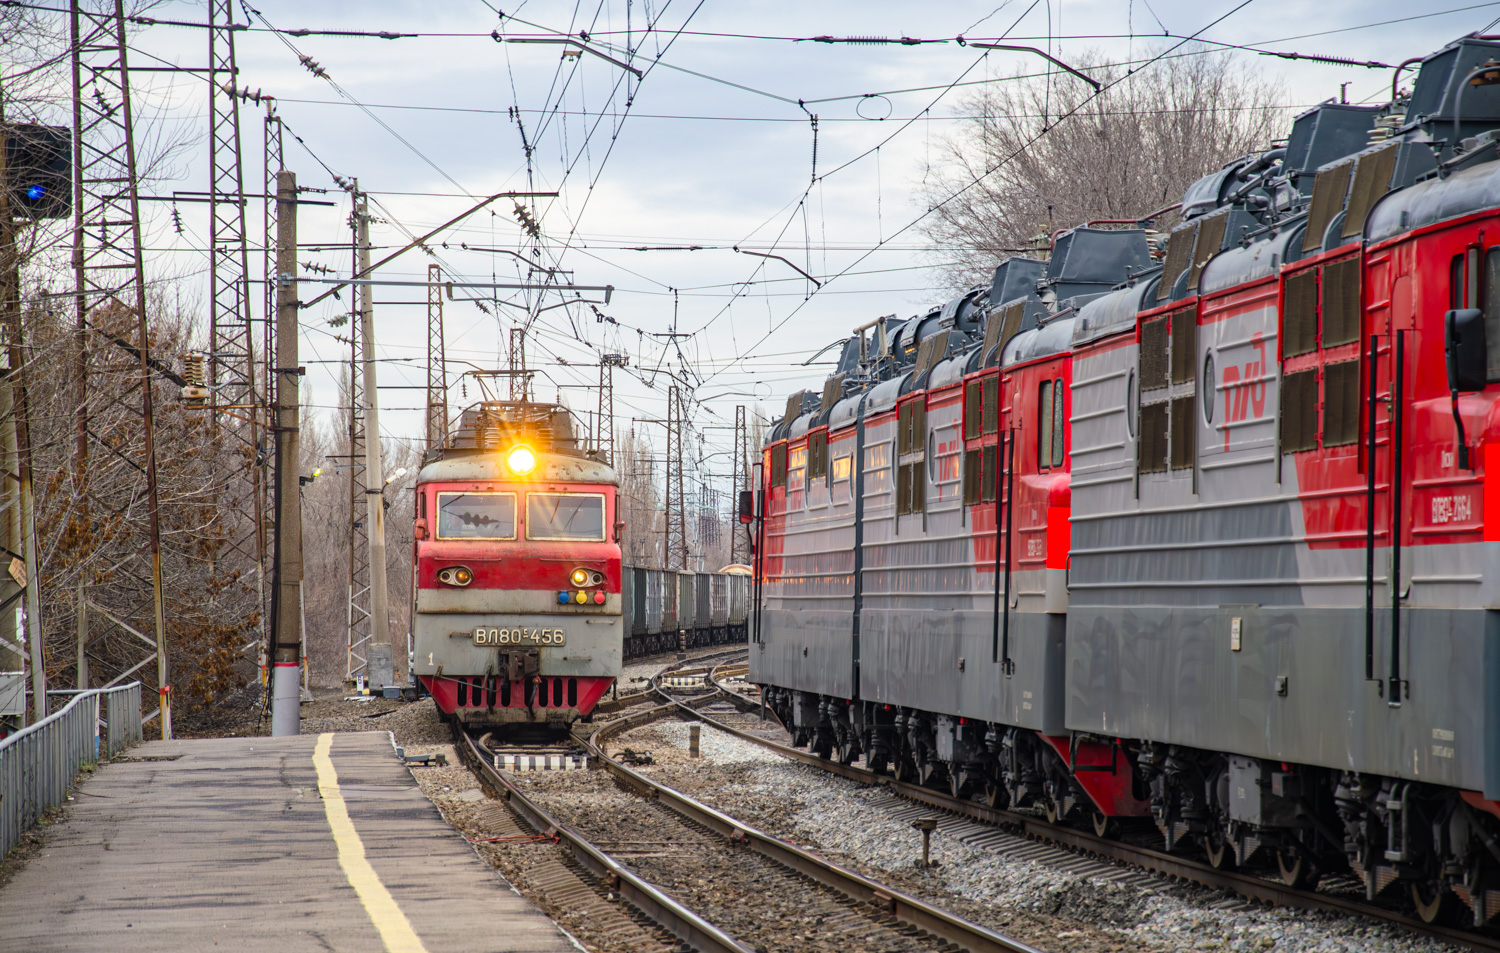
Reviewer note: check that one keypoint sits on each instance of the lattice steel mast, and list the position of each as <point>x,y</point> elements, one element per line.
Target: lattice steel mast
<point>676,523</point>
<point>109,270</point>
<point>437,370</point>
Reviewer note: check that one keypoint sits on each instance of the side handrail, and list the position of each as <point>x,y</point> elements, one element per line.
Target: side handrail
<point>39,762</point>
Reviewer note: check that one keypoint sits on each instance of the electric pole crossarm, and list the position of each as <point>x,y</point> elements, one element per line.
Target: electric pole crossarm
<point>418,241</point>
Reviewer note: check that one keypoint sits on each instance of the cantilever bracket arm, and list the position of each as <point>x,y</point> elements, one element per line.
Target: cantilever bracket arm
<point>761,254</point>
<point>569,41</point>
<point>1044,55</point>
<point>418,241</point>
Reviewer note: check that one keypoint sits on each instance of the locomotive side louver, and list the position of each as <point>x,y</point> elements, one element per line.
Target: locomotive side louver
<point>1179,259</point>
<point>1372,179</point>
<point>1341,404</point>
<point>833,389</point>
<point>1299,411</point>
<point>1154,353</point>
<point>1341,302</point>
<point>1184,346</point>
<point>1152,449</point>
<point>973,391</point>
<point>1210,239</point>
<point>1299,334</point>
<point>991,409</point>
<point>1329,189</point>
<point>1183,432</point>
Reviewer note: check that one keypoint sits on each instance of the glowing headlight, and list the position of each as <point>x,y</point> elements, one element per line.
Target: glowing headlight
<point>521,459</point>
<point>580,577</point>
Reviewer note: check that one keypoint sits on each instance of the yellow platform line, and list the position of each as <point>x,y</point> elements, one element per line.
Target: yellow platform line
<point>395,930</point>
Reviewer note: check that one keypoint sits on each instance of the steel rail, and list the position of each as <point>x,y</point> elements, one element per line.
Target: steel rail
<point>902,906</point>
<point>645,896</point>
<point>1168,865</point>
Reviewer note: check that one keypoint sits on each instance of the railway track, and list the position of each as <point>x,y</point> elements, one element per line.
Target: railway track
<point>711,704</point>
<point>716,883</point>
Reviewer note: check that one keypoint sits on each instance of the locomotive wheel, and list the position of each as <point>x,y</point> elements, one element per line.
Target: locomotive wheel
<point>906,770</point>
<point>847,749</point>
<point>1297,870</point>
<point>1216,847</point>
<point>1051,807</point>
<point>1433,904</point>
<point>995,794</point>
<point>1104,825</point>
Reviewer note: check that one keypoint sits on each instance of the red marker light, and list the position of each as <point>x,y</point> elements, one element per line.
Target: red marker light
<point>599,596</point>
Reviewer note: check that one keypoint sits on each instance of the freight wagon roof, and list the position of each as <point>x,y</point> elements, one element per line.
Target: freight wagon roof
<point>489,467</point>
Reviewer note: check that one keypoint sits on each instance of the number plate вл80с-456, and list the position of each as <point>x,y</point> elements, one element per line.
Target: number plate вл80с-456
<point>518,635</point>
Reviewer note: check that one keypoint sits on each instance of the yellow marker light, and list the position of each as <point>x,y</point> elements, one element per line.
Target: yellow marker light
<point>582,597</point>
<point>521,459</point>
<point>580,577</point>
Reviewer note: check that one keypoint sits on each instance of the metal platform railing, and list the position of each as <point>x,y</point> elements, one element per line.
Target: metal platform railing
<point>38,763</point>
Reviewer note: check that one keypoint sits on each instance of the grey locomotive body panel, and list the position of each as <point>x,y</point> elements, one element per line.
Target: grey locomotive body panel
<point>807,629</point>
<point>1201,616</point>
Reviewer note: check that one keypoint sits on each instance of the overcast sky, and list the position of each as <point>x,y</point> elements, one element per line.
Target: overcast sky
<point>711,148</point>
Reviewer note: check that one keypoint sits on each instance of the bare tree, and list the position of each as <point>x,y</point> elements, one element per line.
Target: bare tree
<point>1048,153</point>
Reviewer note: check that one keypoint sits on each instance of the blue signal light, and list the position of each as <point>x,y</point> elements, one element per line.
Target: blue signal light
<point>35,193</point>
<point>564,597</point>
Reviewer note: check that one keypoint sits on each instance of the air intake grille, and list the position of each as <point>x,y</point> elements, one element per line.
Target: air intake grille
<point>1182,432</point>
<point>817,454</point>
<point>1179,259</point>
<point>1329,189</point>
<point>1341,302</point>
<point>1299,411</point>
<point>1184,346</point>
<point>1210,239</point>
<point>793,407</point>
<point>973,392</point>
<point>778,465</point>
<point>1152,448</point>
<point>989,479</point>
<point>991,423</point>
<point>1341,404</point>
<point>971,475</point>
<point>1299,326</point>
<point>1372,179</point>
<point>833,389</point>
<point>1154,353</point>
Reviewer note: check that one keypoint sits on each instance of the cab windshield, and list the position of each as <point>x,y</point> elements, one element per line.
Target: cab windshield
<point>476,516</point>
<point>565,516</point>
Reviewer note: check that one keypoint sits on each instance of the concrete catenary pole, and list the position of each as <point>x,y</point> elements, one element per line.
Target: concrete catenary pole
<point>381,665</point>
<point>286,694</point>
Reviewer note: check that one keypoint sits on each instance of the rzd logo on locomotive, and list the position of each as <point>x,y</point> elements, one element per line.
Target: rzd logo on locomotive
<point>1244,391</point>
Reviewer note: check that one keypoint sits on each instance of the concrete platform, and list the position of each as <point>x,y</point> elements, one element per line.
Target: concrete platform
<point>314,843</point>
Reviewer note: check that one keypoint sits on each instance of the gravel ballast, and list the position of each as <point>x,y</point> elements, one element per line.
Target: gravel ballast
<point>853,823</point>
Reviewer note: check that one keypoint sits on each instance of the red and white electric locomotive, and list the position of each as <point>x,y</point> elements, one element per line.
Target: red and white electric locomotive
<point>517,609</point>
<point>1205,537</point>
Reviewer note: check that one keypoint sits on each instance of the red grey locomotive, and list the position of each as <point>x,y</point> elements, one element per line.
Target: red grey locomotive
<point>517,609</point>
<point>1202,534</point>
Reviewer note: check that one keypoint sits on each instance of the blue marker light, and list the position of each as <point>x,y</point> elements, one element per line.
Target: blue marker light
<point>35,192</point>
<point>564,597</point>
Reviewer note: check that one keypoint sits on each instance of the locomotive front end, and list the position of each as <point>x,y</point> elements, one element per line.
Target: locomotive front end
<point>517,617</point>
